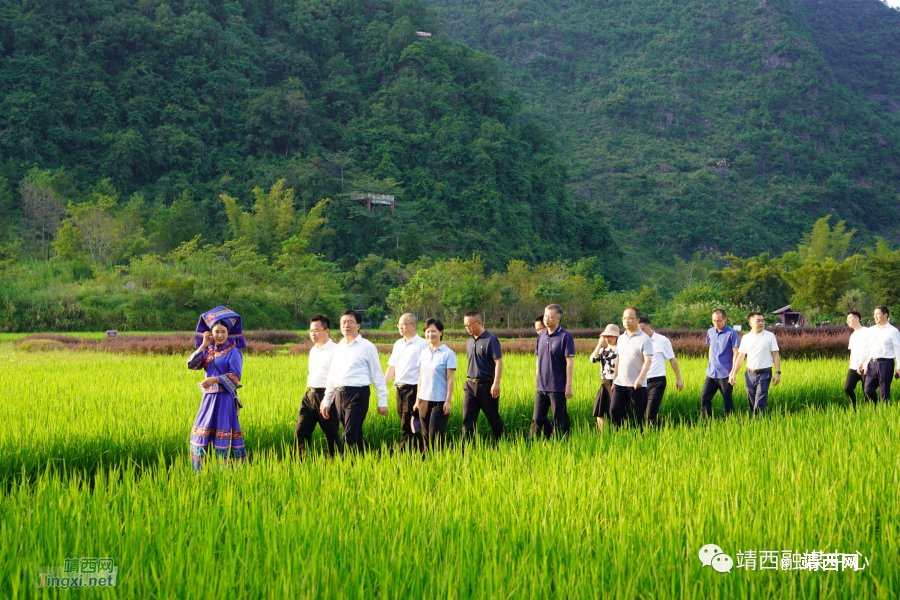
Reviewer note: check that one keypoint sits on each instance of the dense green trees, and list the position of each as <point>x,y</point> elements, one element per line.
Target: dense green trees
<point>512,297</point>
<point>706,134</point>
<point>728,127</point>
<point>81,288</point>
<point>754,281</point>
<point>813,279</point>
<point>883,270</point>
<point>174,100</point>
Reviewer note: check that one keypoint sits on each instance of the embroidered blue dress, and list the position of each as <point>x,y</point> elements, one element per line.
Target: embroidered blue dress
<point>217,420</point>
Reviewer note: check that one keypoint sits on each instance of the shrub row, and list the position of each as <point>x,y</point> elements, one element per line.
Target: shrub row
<point>811,344</point>
<point>171,343</point>
<point>529,333</point>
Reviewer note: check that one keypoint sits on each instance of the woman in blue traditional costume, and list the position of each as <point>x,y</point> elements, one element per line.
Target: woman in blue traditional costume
<point>219,343</point>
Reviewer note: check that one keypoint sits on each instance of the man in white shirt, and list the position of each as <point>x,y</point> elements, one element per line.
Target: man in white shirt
<point>879,358</point>
<point>857,348</point>
<point>354,367</point>
<point>760,348</point>
<point>630,382</point>
<point>656,376</point>
<point>404,365</point>
<point>310,414</point>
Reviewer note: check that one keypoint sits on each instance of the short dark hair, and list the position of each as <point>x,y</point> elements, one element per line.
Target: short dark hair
<point>883,309</point>
<point>756,313</point>
<point>474,314</point>
<point>556,308</point>
<point>644,319</point>
<point>437,323</point>
<point>354,314</point>
<point>539,320</point>
<point>323,319</point>
<point>721,312</point>
<point>856,314</point>
<point>637,313</point>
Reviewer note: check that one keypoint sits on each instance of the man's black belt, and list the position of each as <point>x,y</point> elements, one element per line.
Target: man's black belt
<point>316,390</point>
<point>473,380</point>
<point>880,359</point>
<point>755,371</point>
<point>350,388</point>
<point>658,378</point>
<point>405,386</point>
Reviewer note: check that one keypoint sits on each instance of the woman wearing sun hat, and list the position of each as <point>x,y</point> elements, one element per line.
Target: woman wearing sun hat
<point>219,343</point>
<point>606,353</point>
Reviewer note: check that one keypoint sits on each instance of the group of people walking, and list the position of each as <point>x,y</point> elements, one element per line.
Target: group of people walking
<point>422,370</point>
<point>874,352</point>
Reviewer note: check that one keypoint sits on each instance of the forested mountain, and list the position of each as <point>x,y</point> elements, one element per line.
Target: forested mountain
<point>157,100</point>
<point>162,156</point>
<point>860,43</point>
<point>726,126</point>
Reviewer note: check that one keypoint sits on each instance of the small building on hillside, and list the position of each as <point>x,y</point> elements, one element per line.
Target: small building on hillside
<point>790,318</point>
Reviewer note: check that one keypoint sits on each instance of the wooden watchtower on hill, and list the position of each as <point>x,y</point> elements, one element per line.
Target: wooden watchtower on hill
<point>371,200</point>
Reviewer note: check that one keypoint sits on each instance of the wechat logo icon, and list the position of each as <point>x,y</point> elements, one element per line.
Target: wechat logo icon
<point>711,555</point>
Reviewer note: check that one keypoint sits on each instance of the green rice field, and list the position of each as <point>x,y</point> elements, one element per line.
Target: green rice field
<point>94,462</point>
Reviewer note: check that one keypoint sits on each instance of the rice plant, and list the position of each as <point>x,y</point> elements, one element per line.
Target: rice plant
<point>94,464</point>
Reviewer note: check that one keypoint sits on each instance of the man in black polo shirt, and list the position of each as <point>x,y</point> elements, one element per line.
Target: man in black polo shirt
<point>555,350</point>
<point>482,389</point>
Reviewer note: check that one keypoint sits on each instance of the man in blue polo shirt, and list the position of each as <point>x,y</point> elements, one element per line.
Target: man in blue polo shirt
<point>723,342</point>
<point>555,350</point>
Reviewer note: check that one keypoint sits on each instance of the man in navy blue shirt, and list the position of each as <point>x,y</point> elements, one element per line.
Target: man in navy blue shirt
<point>555,350</point>
<point>723,342</point>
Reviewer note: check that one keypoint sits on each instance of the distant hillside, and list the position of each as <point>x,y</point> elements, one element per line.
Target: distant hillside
<point>726,126</point>
<point>166,97</point>
<point>859,39</point>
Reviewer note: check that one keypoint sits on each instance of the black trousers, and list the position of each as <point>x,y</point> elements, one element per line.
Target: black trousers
<point>656,387</point>
<point>878,377</point>
<point>309,417</point>
<point>406,399</point>
<point>352,406</point>
<point>711,385</point>
<point>758,391</point>
<point>853,378</point>
<point>476,398</point>
<point>434,423</point>
<point>556,404</point>
<point>628,402</point>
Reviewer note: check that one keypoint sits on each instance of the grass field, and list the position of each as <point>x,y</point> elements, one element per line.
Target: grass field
<point>94,463</point>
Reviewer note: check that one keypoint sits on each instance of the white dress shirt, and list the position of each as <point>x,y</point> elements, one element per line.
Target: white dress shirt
<point>405,359</point>
<point>319,364</point>
<point>881,342</point>
<point>662,351</point>
<point>857,347</point>
<point>758,348</point>
<point>355,365</point>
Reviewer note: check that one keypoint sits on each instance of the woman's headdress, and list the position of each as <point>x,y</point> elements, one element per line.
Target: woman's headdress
<point>227,317</point>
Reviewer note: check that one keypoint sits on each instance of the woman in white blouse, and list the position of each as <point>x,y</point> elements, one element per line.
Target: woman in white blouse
<point>606,353</point>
